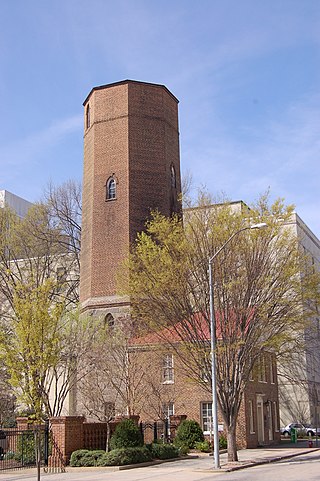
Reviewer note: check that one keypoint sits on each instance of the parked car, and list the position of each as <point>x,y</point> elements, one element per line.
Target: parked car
<point>286,431</point>
<point>311,430</point>
<point>302,430</point>
<point>3,443</point>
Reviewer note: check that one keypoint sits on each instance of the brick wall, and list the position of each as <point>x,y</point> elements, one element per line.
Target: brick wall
<point>188,396</point>
<point>133,136</point>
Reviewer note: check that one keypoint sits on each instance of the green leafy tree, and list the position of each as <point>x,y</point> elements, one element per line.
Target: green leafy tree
<point>31,346</point>
<point>38,259</point>
<point>264,292</point>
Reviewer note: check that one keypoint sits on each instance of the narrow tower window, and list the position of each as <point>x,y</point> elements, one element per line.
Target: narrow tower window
<point>88,116</point>
<point>111,189</point>
<point>173,177</point>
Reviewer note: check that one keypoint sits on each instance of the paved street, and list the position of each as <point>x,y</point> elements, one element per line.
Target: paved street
<point>304,466</point>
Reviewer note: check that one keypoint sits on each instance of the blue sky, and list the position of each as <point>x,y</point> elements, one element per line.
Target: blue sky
<point>246,72</point>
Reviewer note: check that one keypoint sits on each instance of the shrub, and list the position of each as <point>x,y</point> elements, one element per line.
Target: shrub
<point>9,455</point>
<point>188,433</point>
<point>85,457</point>
<point>222,442</point>
<point>183,449</point>
<point>203,446</point>
<point>122,456</point>
<point>126,435</point>
<point>164,451</point>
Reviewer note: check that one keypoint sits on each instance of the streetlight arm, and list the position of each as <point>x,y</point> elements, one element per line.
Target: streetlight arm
<point>254,226</point>
<point>226,243</point>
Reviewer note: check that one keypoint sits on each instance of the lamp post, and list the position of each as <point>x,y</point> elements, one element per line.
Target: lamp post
<point>213,346</point>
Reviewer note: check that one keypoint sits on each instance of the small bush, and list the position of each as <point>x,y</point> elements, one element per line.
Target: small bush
<point>126,435</point>
<point>123,456</point>
<point>164,451</point>
<point>9,455</point>
<point>188,433</point>
<point>222,442</point>
<point>203,446</point>
<point>183,449</point>
<point>85,457</point>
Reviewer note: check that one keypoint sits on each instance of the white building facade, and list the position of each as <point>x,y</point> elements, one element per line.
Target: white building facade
<point>16,203</point>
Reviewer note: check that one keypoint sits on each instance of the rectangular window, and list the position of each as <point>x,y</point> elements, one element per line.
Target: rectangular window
<point>206,417</point>
<point>272,371</point>
<point>251,418</point>
<point>262,377</point>
<point>167,410</point>
<point>167,369</point>
<point>275,416</point>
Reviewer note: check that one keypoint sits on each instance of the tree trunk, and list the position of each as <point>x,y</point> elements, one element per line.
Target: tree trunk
<point>37,449</point>
<point>108,438</point>
<point>232,444</point>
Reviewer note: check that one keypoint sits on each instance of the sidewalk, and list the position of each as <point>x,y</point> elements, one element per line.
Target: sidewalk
<point>265,455</point>
<point>191,466</point>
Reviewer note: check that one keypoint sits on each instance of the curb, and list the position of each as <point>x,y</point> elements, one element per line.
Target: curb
<point>250,464</point>
<point>155,462</point>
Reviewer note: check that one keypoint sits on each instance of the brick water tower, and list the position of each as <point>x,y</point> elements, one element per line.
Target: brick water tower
<point>131,166</point>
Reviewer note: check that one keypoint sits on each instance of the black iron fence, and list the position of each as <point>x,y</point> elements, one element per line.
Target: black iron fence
<point>21,448</point>
<point>154,431</point>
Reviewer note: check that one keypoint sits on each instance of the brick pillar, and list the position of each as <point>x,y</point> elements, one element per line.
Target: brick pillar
<point>67,436</point>
<point>22,423</point>
<point>175,421</point>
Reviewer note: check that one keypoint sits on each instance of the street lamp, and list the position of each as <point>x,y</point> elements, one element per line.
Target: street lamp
<point>213,346</point>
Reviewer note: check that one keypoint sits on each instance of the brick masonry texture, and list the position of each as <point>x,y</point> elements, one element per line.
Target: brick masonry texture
<point>133,136</point>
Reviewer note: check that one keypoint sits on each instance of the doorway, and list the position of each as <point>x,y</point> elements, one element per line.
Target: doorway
<point>260,420</point>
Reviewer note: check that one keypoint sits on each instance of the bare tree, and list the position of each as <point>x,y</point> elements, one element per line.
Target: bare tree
<point>65,210</point>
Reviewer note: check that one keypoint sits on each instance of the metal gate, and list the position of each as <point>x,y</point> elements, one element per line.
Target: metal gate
<point>19,449</point>
<point>153,431</point>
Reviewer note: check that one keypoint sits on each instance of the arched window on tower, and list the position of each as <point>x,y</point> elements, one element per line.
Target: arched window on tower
<point>173,177</point>
<point>111,188</point>
<point>88,116</point>
<point>109,321</point>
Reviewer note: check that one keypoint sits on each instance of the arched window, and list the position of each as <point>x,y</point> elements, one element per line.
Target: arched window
<point>173,177</point>
<point>111,189</point>
<point>109,321</point>
<point>88,116</point>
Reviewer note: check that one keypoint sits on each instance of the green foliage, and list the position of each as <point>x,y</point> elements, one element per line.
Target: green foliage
<point>123,456</point>
<point>32,347</point>
<point>189,432</point>
<point>223,442</point>
<point>203,446</point>
<point>9,422</point>
<point>163,451</point>
<point>85,458</point>
<point>126,435</point>
<point>25,450</point>
<point>183,449</point>
<point>9,455</point>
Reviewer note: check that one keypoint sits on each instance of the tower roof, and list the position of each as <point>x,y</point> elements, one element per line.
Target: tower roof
<point>122,82</point>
